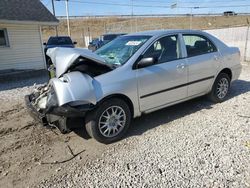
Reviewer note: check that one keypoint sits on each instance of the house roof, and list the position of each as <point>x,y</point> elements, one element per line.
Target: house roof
<point>25,11</point>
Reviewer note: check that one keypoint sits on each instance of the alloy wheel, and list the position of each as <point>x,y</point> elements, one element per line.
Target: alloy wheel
<point>112,121</point>
<point>222,88</point>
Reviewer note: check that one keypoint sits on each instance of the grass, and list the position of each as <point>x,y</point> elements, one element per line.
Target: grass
<point>94,27</point>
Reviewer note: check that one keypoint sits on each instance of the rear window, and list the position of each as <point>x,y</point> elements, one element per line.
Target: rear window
<point>59,41</point>
<point>198,45</point>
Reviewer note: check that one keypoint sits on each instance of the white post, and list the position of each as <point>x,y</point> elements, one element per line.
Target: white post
<point>67,13</point>
<point>132,12</point>
<point>54,13</point>
<point>191,18</point>
<point>42,48</point>
<point>246,44</point>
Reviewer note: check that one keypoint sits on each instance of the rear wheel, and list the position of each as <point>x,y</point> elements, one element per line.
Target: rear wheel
<point>109,122</point>
<point>220,88</point>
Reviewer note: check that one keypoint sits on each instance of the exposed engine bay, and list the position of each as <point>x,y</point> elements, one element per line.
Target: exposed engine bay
<point>40,98</point>
<point>89,67</point>
<point>62,97</point>
<point>68,60</point>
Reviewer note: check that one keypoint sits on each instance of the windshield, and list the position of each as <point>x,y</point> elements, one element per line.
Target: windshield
<point>121,49</point>
<point>60,41</point>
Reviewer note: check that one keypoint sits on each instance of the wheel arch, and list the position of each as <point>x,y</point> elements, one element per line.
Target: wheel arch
<point>122,97</point>
<point>227,71</point>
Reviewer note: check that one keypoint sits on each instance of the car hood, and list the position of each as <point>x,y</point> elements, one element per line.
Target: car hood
<point>63,58</point>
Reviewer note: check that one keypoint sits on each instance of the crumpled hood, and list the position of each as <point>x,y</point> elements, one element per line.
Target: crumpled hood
<point>63,58</point>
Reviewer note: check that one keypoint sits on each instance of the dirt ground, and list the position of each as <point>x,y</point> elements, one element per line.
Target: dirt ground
<point>30,153</point>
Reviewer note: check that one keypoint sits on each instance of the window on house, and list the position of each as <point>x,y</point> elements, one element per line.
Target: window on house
<point>3,38</point>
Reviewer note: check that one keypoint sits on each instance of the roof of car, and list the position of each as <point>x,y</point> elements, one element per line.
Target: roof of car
<point>114,34</point>
<point>167,31</point>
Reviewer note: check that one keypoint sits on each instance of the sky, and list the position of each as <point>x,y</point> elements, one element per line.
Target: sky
<point>124,7</point>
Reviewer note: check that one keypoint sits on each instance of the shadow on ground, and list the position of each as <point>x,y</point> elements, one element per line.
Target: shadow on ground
<point>166,115</point>
<point>20,81</point>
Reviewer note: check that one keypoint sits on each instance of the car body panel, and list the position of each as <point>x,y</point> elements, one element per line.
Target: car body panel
<point>67,89</point>
<point>196,67</point>
<point>160,83</point>
<point>124,82</point>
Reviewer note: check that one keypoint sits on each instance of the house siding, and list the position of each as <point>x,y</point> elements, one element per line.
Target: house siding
<point>25,50</point>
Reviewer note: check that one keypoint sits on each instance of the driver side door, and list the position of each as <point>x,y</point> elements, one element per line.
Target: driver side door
<point>165,81</point>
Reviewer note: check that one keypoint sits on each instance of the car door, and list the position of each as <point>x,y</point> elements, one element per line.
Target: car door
<point>203,61</point>
<point>165,81</point>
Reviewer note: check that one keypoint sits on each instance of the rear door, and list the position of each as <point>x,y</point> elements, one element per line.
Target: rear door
<point>203,62</point>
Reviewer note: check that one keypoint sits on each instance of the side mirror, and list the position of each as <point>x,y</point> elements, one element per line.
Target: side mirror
<point>44,43</point>
<point>145,62</point>
<point>75,42</point>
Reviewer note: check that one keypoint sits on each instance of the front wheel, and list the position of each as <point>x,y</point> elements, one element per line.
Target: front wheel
<point>220,88</point>
<point>109,122</point>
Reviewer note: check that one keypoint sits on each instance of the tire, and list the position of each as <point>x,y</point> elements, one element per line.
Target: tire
<point>215,95</point>
<point>116,125</point>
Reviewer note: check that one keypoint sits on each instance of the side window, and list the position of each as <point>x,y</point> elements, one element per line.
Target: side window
<point>3,38</point>
<point>198,45</point>
<point>165,49</point>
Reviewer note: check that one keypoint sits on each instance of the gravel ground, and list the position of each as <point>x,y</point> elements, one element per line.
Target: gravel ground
<point>23,84</point>
<point>193,144</point>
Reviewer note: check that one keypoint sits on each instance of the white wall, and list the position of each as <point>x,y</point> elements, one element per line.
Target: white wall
<point>236,36</point>
<point>25,50</point>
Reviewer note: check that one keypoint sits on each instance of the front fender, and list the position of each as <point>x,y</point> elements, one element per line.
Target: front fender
<point>74,87</point>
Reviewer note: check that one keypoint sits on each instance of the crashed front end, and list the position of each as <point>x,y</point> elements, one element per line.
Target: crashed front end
<point>71,93</point>
<point>62,98</point>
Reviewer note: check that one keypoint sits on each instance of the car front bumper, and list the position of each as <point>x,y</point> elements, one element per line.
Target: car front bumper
<point>34,113</point>
<point>54,113</point>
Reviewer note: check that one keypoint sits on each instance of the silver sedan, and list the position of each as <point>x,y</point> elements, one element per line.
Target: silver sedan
<point>130,76</point>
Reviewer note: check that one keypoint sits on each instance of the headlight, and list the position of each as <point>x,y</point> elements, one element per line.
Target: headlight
<point>64,79</point>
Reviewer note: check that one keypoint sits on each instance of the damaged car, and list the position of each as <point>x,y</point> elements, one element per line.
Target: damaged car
<point>132,75</point>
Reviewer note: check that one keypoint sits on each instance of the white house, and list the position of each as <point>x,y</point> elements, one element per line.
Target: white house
<point>20,34</point>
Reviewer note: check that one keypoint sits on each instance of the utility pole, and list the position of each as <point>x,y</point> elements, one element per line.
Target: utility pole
<point>191,16</point>
<point>246,43</point>
<point>67,13</point>
<point>132,14</point>
<point>173,6</point>
<point>53,8</point>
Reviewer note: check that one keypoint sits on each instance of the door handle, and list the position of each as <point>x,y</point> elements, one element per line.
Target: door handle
<point>216,58</point>
<point>181,66</point>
